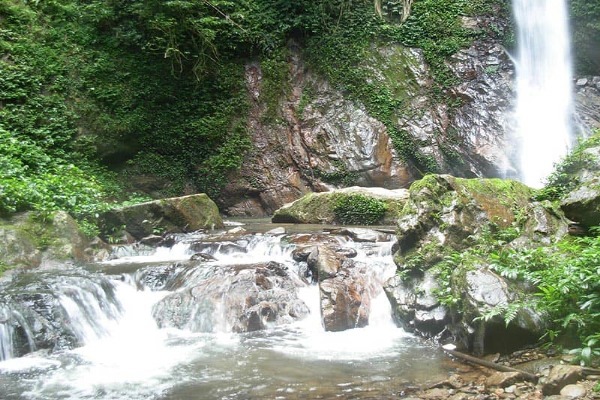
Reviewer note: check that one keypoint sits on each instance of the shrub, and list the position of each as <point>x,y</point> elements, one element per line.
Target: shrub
<point>358,209</point>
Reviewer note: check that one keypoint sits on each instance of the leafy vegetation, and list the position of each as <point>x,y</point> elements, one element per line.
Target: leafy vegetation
<point>563,276</point>
<point>357,209</point>
<point>564,178</point>
<point>585,20</point>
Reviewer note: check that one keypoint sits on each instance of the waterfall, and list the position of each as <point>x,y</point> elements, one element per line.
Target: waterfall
<point>544,97</point>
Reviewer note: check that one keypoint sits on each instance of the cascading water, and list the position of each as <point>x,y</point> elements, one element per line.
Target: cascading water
<point>544,93</point>
<point>125,354</point>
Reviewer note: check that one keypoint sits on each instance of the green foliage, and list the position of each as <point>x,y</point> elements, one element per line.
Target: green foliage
<point>566,278</point>
<point>585,22</point>
<point>564,178</point>
<point>447,277</point>
<point>357,209</point>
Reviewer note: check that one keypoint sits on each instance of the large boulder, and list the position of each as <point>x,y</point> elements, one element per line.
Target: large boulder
<point>319,208</point>
<point>31,240</point>
<point>241,298</point>
<point>346,289</point>
<point>582,203</point>
<point>173,215</point>
<point>54,310</point>
<point>439,291</point>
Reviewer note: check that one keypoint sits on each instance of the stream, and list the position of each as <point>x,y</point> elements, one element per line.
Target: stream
<point>116,349</point>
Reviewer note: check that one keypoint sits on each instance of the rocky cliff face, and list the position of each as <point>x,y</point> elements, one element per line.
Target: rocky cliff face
<point>322,139</point>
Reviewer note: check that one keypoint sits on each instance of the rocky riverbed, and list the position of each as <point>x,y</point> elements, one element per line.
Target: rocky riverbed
<point>557,379</point>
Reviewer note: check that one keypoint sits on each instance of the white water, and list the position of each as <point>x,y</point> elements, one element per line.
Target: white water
<point>544,93</point>
<point>131,358</point>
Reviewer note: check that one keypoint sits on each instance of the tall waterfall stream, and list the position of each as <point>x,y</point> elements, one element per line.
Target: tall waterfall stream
<point>544,87</point>
<point>118,351</point>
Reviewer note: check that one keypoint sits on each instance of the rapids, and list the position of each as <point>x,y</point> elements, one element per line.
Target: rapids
<point>119,352</point>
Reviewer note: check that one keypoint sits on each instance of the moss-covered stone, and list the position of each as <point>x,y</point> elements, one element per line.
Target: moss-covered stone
<point>447,229</point>
<point>30,240</point>
<point>319,208</point>
<point>173,215</point>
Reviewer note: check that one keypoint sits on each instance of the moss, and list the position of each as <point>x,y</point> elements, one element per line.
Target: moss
<point>319,208</point>
<point>505,201</point>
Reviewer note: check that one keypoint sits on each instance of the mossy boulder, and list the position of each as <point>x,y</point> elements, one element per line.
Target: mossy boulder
<point>582,203</point>
<point>324,208</point>
<point>443,289</point>
<point>31,240</point>
<point>444,213</point>
<point>172,215</point>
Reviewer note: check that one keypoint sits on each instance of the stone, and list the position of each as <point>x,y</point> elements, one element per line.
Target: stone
<point>318,208</point>
<point>241,298</point>
<point>504,379</point>
<point>581,82</point>
<point>573,391</point>
<point>276,231</point>
<point>34,314</point>
<point>29,241</point>
<point>561,376</point>
<point>346,289</point>
<point>173,215</point>
<point>445,214</point>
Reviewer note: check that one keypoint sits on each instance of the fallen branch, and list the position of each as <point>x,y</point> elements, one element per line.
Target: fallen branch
<point>498,367</point>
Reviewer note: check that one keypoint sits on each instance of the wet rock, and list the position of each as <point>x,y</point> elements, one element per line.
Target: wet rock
<point>276,231</point>
<point>152,240</point>
<point>239,299</point>
<point>54,311</point>
<point>160,277</point>
<point>174,215</point>
<point>346,290</point>
<point>327,263</point>
<point>302,253</point>
<point>203,257</point>
<point>561,376</point>
<point>364,235</point>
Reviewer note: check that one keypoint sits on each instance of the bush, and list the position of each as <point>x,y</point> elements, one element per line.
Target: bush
<point>359,210</point>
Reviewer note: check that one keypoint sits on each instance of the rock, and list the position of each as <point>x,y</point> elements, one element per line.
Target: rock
<point>55,310</point>
<point>573,391</point>
<point>318,208</point>
<point>504,379</point>
<point>346,290</point>
<point>152,240</point>
<point>581,82</point>
<point>238,298</point>
<point>561,376</point>
<point>363,235</point>
<point>583,204</point>
<point>276,231</point>
<point>31,240</point>
<point>445,215</point>
<point>174,215</point>
<point>327,263</point>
